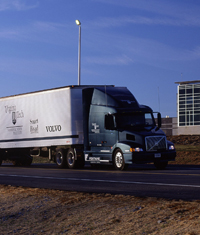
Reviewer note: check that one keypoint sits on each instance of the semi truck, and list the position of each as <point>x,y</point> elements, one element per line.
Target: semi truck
<point>79,125</point>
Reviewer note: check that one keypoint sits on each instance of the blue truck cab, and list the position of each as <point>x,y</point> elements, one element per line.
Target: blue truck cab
<point>120,131</point>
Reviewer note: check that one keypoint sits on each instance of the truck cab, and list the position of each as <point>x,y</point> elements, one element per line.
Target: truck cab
<point>120,131</point>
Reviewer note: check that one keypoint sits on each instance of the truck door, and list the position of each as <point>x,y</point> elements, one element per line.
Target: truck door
<point>98,135</point>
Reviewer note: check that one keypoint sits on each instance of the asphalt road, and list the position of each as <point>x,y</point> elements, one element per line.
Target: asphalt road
<point>176,182</point>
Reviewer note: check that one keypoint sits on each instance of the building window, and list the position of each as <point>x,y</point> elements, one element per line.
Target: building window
<point>189,104</point>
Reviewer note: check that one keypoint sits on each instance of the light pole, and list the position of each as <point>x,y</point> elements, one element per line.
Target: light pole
<point>79,53</point>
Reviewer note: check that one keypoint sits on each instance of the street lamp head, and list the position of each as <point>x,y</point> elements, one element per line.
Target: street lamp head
<point>78,22</point>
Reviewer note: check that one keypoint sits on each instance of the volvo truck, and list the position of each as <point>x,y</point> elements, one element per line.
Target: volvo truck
<point>79,125</point>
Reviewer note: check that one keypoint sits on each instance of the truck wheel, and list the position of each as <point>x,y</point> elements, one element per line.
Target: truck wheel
<point>71,162</point>
<point>118,160</point>
<point>60,158</point>
<point>160,165</point>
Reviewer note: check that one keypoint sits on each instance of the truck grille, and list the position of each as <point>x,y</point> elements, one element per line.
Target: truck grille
<point>154,143</point>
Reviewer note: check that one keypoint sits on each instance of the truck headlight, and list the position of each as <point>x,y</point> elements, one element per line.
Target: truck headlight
<point>136,149</point>
<point>171,147</point>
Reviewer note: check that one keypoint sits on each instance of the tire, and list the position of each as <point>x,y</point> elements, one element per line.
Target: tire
<point>60,158</point>
<point>118,160</point>
<point>71,159</point>
<point>160,165</point>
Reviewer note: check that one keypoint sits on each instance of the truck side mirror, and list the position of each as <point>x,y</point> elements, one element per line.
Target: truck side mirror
<point>159,120</point>
<point>109,122</point>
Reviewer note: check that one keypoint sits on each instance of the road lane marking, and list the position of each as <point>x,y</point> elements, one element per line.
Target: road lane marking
<point>105,181</point>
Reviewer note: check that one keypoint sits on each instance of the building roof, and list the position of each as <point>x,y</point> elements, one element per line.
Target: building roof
<point>188,82</point>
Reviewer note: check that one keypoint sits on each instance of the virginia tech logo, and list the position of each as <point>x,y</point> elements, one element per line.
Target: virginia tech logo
<point>15,114</point>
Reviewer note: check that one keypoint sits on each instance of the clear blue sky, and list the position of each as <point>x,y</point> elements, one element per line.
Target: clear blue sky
<point>145,45</point>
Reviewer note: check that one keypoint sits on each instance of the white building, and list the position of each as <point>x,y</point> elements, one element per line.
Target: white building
<point>188,108</point>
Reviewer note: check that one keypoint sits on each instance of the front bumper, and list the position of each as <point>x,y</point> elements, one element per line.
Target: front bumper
<point>147,157</point>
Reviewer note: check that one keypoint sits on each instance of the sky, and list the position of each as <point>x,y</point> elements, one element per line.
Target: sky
<point>144,45</point>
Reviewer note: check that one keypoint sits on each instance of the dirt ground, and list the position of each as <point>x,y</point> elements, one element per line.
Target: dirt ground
<point>185,139</point>
<point>42,211</point>
<point>187,158</point>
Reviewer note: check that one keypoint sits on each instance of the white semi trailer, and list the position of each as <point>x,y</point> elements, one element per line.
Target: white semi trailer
<point>78,124</point>
<point>51,118</point>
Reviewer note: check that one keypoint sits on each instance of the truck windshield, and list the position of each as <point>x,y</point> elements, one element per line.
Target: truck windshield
<point>135,121</point>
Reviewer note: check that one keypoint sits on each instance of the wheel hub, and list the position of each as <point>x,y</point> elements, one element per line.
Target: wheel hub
<point>71,159</point>
<point>59,158</point>
<point>118,160</point>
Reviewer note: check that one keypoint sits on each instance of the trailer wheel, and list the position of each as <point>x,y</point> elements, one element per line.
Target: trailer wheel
<point>118,160</point>
<point>160,165</point>
<point>60,158</point>
<point>71,161</point>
